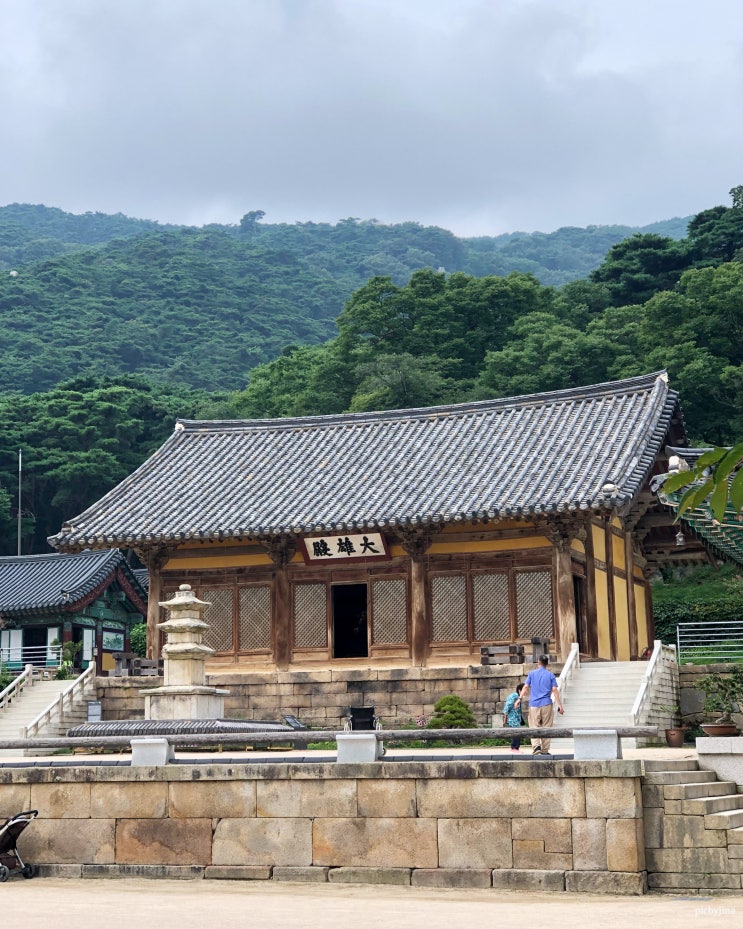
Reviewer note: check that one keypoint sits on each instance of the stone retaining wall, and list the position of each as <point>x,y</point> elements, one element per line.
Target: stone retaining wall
<point>318,697</point>
<point>567,825</point>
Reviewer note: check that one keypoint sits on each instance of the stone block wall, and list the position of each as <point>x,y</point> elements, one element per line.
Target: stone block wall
<point>318,697</point>
<point>693,836</point>
<point>574,826</point>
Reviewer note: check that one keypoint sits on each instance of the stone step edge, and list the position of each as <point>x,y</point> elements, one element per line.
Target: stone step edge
<point>610,882</point>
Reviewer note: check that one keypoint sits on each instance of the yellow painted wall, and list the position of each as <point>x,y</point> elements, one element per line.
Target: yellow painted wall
<point>617,547</point>
<point>577,546</point>
<point>599,542</point>
<point>215,560</point>
<point>481,545</point>
<point>602,615</point>
<point>622,613</point>
<point>642,616</point>
<point>616,522</point>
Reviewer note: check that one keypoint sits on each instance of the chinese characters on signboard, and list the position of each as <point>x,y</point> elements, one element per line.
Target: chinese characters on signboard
<point>344,547</point>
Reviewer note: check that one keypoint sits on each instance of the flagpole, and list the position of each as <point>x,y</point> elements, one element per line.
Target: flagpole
<point>20,471</point>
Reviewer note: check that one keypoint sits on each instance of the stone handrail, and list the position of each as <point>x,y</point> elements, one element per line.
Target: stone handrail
<point>646,690</point>
<point>57,706</point>
<point>569,668</point>
<point>16,687</point>
<point>307,736</point>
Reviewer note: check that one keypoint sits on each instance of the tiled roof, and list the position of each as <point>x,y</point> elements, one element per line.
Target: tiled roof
<point>564,451</point>
<point>53,582</point>
<point>726,535</point>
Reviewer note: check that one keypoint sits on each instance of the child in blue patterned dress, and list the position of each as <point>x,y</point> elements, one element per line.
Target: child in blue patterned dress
<point>512,715</point>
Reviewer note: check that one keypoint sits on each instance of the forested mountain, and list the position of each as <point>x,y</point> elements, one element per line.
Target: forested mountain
<point>191,312</point>
<point>30,232</point>
<point>107,295</point>
<point>186,307</point>
<point>653,303</point>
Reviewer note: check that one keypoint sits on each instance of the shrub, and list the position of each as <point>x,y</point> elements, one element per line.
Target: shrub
<point>452,713</point>
<point>6,677</point>
<point>138,639</point>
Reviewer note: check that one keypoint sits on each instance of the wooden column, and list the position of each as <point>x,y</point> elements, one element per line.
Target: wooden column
<point>561,531</point>
<point>281,550</point>
<point>567,624</point>
<point>611,601</point>
<point>629,564</point>
<point>416,543</point>
<point>155,561</point>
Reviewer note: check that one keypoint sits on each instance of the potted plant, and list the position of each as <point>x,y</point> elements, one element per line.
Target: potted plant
<point>723,694</point>
<point>674,734</point>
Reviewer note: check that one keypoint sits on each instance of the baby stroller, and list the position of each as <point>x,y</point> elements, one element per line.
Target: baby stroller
<point>10,861</point>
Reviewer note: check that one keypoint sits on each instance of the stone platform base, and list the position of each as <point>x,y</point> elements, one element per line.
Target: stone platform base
<point>318,697</point>
<point>615,882</point>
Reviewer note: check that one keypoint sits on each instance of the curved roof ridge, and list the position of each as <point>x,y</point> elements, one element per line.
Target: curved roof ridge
<point>626,385</point>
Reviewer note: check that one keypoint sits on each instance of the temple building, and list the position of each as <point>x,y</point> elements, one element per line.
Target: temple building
<point>410,537</point>
<point>90,597</point>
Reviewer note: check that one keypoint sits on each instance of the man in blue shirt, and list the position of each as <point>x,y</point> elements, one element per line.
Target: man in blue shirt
<point>540,687</point>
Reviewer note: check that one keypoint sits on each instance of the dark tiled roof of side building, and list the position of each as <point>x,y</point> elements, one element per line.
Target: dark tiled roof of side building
<point>565,451</point>
<point>54,582</point>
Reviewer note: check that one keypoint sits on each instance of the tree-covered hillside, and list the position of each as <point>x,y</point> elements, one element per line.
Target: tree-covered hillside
<point>32,232</point>
<point>653,303</point>
<point>186,307</point>
<point>106,295</point>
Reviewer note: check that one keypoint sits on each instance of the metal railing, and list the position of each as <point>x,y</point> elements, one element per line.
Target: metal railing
<point>41,656</point>
<point>661,656</point>
<point>709,643</point>
<point>57,706</point>
<point>15,688</point>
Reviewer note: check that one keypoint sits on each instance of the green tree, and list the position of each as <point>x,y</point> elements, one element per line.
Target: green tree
<point>78,441</point>
<point>542,353</point>
<point>638,267</point>
<point>392,382</point>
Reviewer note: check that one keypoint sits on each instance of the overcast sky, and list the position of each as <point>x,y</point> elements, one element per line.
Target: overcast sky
<point>482,116</point>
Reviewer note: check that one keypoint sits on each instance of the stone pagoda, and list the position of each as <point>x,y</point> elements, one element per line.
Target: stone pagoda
<point>184,694</point>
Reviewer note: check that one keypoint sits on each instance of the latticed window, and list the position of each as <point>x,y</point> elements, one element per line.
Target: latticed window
<point>310,616</point>
<point>389,612</point>
<point>255,617</point>
<point>490,607</point>
<point>534,609</point>
<point>220,616</point>
<point>449,608</point>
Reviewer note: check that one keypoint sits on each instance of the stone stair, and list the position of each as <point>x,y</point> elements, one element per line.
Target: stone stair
<point>33,701</point>
<point>600,695</point>
<point>693,829</point>
<point>23,710</point>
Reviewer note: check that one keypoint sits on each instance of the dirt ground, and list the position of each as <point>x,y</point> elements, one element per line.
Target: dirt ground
<point>69,904</point>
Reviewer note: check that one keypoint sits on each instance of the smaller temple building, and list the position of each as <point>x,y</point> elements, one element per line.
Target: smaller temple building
<point>90,597</point>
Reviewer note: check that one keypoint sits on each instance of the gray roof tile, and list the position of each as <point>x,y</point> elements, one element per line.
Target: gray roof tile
<point>522,456</point>
<point>53,582</point>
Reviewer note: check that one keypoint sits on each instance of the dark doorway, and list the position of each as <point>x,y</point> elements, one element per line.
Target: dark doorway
<point>581,617</point>
<point>349,621</point>
<point>34,645</point>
